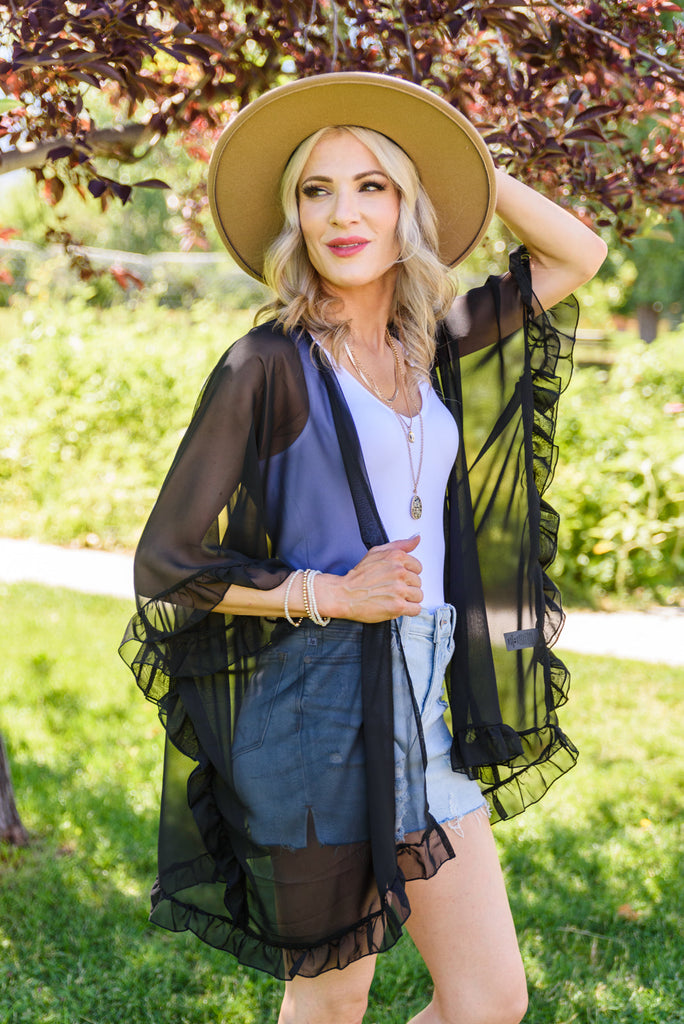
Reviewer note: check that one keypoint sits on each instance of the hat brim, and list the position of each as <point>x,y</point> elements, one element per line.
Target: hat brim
<point>250,156</point>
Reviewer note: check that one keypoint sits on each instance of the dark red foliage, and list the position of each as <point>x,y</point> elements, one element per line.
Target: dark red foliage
<point>583,100</point>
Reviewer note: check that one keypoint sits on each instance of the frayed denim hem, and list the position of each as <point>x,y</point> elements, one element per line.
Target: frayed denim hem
<point>455,825</point>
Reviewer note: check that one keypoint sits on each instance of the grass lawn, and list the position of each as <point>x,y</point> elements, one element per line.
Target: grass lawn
<point>594,871</point>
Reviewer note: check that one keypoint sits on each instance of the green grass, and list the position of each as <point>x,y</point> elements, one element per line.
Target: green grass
<point>593,871</point>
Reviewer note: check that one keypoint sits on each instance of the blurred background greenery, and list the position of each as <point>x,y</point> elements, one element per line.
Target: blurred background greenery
<point>100,372</point>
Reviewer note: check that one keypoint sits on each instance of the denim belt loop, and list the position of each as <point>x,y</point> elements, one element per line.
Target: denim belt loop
<point>445,621</point>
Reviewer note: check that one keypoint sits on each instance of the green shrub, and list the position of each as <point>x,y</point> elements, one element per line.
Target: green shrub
<point>620,478</point>
<point>176,280</point>
<point>94,406</point>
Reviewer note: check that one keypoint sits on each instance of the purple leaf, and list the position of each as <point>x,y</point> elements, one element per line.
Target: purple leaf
<point>585,135</point>
<point>599,111</point>
<point>151,183</point>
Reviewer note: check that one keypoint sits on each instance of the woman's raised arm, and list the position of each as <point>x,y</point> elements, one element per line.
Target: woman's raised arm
<point>564,252</point>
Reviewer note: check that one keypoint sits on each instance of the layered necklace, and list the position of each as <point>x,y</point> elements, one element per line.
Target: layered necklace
<point>416,505</point>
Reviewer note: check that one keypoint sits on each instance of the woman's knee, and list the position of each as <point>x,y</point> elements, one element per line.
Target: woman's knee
<point>333,1008</point>
<point>335,997</point>
<point>499,1004</point>
<point>509,1007</point>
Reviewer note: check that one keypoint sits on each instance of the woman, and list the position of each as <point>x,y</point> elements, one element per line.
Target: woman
<point>321,555</point>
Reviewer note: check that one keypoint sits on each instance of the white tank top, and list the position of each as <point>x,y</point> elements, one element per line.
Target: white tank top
<point>384,448</point>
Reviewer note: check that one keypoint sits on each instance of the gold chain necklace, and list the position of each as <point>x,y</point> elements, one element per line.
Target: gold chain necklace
<point>366,377</point>
<point>416,506</point>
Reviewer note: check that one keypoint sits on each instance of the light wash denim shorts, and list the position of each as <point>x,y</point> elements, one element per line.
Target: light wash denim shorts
<point>298,757</point>
<point>427,642</point>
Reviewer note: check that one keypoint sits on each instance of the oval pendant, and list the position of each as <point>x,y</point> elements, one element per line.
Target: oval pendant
<point>411,436</point>
<point>416,507</point>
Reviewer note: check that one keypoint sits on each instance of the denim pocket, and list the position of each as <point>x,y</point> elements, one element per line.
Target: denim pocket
<point>259,700</point>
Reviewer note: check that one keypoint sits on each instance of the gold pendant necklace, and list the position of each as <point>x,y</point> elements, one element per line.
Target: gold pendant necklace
<point>416,505</point>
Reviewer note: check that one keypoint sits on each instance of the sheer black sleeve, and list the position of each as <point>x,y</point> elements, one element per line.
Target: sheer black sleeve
<point>483,316</point>
<point>208,527</point>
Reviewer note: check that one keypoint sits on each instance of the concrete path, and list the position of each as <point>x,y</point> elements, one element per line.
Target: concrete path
<point>655,636</point>
<point>93,572</point>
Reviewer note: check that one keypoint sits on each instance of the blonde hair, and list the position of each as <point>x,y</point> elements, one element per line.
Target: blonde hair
<point>423,292</point>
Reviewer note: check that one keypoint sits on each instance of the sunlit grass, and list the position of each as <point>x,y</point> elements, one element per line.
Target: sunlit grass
<point>593,870</point>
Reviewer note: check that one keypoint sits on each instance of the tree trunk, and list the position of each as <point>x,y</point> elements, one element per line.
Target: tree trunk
<point>11,829</point>
<point>648,323</point>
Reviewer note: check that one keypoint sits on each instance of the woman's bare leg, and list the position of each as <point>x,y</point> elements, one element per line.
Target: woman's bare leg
<point>335,997</point>
<point>462,926</point>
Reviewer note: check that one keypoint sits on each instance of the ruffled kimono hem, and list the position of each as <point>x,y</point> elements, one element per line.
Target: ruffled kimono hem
<point>374,933</point>
<point>527,785</point>
<point>280,961</point>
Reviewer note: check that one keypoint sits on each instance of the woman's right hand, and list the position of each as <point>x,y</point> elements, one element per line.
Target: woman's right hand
<point>383,585</point>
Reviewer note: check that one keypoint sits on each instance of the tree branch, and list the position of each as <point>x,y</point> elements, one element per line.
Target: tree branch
<point>195,92</point>
<point>335,31</point>
<point>675,73</point>
<point>503,50</point>
<point>409,43</point>
<point>106,142</point>
<point>310,23</point>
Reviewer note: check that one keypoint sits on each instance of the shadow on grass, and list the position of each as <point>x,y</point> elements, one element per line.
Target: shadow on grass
<point>598,911</point>
<point>76,944</point>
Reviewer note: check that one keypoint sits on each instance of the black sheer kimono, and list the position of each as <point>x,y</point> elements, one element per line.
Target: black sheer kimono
<point>271,462</point>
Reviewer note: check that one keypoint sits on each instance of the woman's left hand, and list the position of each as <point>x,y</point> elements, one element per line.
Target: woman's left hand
<point>383,585</point>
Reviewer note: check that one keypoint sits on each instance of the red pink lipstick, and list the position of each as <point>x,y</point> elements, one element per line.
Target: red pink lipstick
<point>347,246</point>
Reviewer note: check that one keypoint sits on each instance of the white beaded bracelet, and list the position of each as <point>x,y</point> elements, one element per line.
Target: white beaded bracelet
<point>314,613</point>
<point>289,618</point>
<point>305,593</point>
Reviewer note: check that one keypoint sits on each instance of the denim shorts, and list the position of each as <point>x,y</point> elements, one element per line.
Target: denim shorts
<point>427,644</point>
<point>298,757</point>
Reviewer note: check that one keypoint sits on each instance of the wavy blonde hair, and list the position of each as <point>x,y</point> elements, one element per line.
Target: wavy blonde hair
<point>424,289</point>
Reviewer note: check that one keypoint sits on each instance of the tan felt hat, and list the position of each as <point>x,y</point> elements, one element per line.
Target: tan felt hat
<point>250,156</point>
